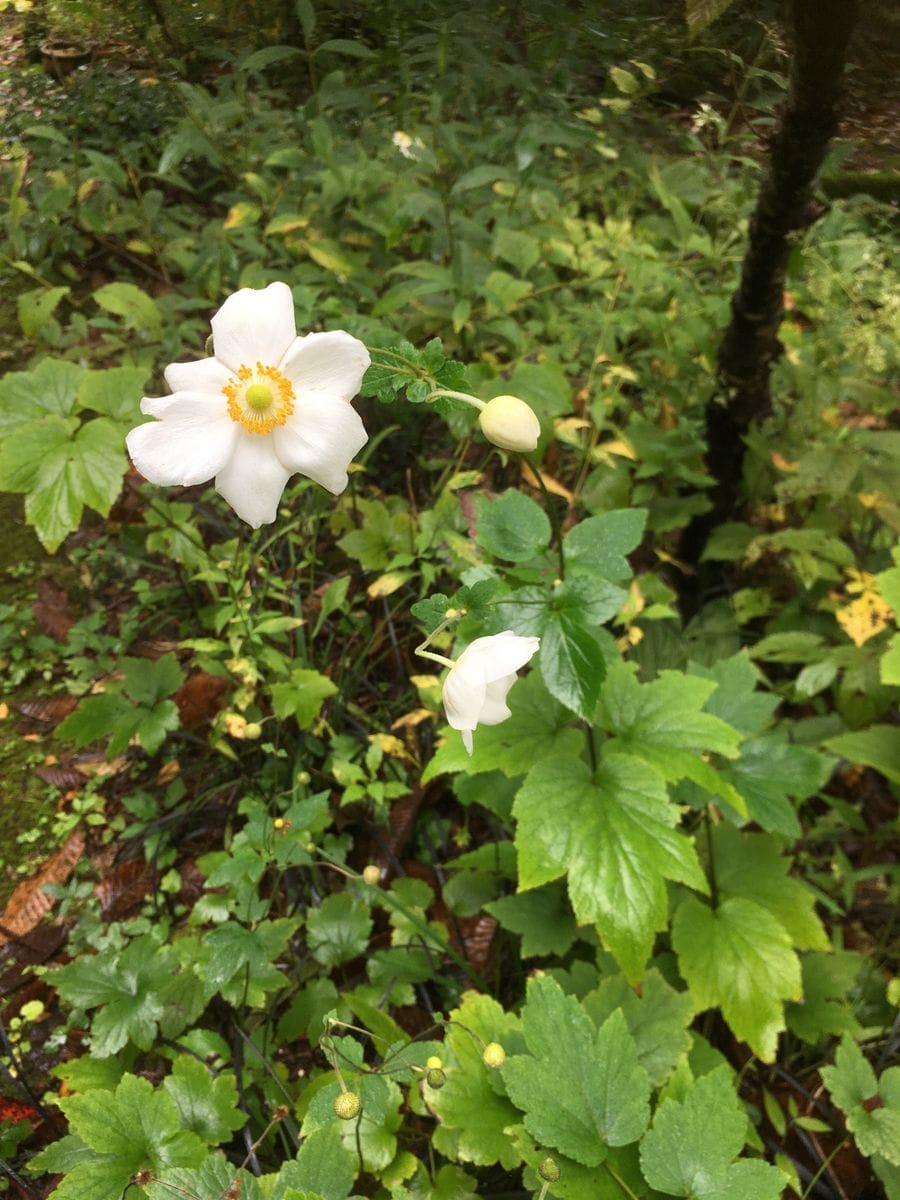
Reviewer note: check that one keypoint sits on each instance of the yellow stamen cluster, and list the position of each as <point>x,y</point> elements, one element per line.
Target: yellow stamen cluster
<point>259,398</point>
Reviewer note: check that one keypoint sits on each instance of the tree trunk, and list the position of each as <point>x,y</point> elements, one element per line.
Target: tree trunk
<point>820,32</point>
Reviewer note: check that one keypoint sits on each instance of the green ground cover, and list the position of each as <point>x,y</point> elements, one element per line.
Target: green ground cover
<point>291,941</point>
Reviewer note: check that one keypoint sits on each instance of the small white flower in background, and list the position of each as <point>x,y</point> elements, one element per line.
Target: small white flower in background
<point>267,405</point>
<point>511,424</point>
<point>475,691</point>
<point>408,146</point>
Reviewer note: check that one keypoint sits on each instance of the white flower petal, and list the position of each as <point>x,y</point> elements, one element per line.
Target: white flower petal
<point>326,364</point>
<point>254,325</point>
<point>201,375</point>
<point>495,709</point>
<point>500,654</point>
<point>463,695</point>
<point>320,439</point>
<point>466,735</point>
<point>191,442</point>
<point>253,480</point>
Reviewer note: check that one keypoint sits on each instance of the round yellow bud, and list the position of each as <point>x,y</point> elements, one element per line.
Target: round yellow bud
<point>549,1170</point>
<point>252,730</point>
<point>510,423</point>
<point>433,1063</point>
<point>493,1055</point>
<point>371,875</point>
<point>347,1106</point>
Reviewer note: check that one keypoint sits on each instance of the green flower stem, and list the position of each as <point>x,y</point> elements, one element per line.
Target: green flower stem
<point>552,514</point>
<point>711,870</point>
<point>438,658</point>
<point>621,1182</point>
<point>422,650</point>
<point>464,396</point>
<point>429,940</point>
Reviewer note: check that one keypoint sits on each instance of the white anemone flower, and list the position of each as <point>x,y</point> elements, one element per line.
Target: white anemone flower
<point>266,405</point>
<point>476,688</point>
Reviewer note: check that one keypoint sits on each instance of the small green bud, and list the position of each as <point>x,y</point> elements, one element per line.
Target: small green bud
<point>252,730</point>
<point>371,875</point>
<point>549,1170</point>
<point>493,1055</point>
<point>347,1106</point>
<point>435,1078</point>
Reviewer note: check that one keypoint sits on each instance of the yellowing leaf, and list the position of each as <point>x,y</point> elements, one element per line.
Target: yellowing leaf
<point>240,215</point>
<point>390,745</point>
<point>784,464</point>
<point>411,719</point>
<point>386,584</point>
<point>286,223</point>
<point>425,681</point>
<point>620,446</point>
<point>552,485</point>
<point>864,617</point>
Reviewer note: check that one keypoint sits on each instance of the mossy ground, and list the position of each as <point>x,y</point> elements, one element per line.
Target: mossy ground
<point>26,802</point>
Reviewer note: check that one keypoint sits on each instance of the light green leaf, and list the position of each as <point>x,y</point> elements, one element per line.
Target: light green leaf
<point>260,59</point>
<point>878,747</point>
<point>624,81</point>
<point>339,929</point>
<point>599,544</point>
<point>472,1102</point>
<point>323,1165</point>
<point>134,1127</point>
<point>303,697</point>
<point>662,723</point>
<point>520,249</point>
<point>212,1178</point>
<point>37,306</point>
<point>739,958</point>
<point>51,388</point>
<point>148,681</point>
<point>736,700</point>
<point>872,1108</point>
<point>61,471</point>
<point>614,837</point>
<point>542,917</point>
<point>657,1019</point>
<point>700,13</point>
<point>125,986</point>
<point>512,527</point>
<point>826,1009</point>
<point>691,1144</point>
<point>137,309</point>
<point>206,1104</point>
<point>751,865</point>
<point>116,392</point>
<point>770,773</point>
<point>581,1089</point>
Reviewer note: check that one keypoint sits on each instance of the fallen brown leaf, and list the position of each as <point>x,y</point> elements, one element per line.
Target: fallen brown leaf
<point>28,903</point>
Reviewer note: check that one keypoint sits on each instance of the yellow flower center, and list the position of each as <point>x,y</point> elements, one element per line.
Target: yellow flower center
<point>259,398</point>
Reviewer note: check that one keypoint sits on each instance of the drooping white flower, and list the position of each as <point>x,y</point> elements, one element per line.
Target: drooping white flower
<point>266,405</point>
<point>476,688</point>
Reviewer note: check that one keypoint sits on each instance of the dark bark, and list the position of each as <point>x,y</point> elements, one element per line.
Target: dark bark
<point>820,32</point>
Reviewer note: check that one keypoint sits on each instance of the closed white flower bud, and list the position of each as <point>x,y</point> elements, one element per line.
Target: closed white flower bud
<point>510,423</point>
